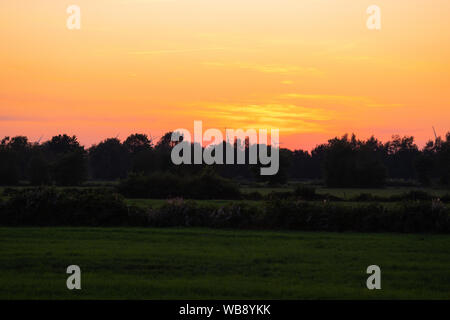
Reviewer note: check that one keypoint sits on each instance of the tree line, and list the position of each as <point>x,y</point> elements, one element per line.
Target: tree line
<point>341,162</point>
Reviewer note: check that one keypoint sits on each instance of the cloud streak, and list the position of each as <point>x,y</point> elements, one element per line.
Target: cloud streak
<point>268,68</point>
<point>289,118</point>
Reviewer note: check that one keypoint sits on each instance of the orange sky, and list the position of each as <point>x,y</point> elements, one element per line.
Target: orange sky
<point>308,67</point>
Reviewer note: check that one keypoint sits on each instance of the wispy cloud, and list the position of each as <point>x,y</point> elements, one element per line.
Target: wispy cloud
<point>321,97</point>
<point>340,99</point>
<point>289,118</point>
<point>166,51</point>
<point>76,118</point>
<point>267,68</point>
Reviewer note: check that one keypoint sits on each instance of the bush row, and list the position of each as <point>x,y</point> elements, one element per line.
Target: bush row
<point>51,207</point>
<point>163,185</point>
<point>409,217</point>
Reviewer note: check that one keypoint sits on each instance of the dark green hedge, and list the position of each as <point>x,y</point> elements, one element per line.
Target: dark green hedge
<point>163,185</point>
<point>102,207</point>
<point>71,207</point>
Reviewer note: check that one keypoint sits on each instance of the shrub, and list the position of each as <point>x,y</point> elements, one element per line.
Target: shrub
<point>49,206</point>
<point>167,185</point>
<point>423,217</point>
<point>172,214</point>
<point>208,185</point>
<point>178,212</point>
<point>316,216</point>
<point>241,216</point>
<point>157,185</point>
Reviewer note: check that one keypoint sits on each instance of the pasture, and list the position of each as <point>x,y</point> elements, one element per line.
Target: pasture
<point>188,263</point>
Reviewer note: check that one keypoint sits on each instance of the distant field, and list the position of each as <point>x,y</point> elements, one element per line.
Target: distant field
<point>346,193</point>
<point>131,263</point>
<point>265,191</point>
<point>157,203</point>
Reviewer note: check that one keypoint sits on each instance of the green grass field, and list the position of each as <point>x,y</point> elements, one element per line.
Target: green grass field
<point>133,263</point>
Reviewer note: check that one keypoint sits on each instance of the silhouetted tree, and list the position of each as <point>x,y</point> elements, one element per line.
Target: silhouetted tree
<point>143,157</point>
<point>353,163</point>
<point>163,149</point>
<point>67,159</point>
<point>109,160</point>
<point>70,169</point>
<point>137,142</point>
<point>401,156</point>
<point>9,171</point>
<point>342,162</point>
<point>14,157</point>
<point>370,170</point>
<point>62,144</point>
<point>39,170</point>
<point>443,160</point>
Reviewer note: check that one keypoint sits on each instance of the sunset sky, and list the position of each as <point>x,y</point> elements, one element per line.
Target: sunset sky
<point>308,67</point>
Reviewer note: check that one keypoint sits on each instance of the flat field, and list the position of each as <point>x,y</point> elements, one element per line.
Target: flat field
<point>144,263</point>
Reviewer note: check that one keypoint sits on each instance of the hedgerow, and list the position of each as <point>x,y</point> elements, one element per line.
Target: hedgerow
<point>102,207</point>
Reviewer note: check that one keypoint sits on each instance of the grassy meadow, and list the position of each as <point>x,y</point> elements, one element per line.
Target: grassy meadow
<point>181,263</point>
